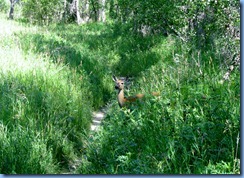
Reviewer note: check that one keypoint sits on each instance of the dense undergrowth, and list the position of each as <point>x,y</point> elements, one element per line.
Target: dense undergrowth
<point>45,108</point>
<point>192,128</point>
<point>52,77</point>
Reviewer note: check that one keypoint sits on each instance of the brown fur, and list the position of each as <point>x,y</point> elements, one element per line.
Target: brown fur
<point>122,100</point>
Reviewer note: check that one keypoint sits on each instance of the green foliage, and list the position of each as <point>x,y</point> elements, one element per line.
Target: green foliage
<point>97,49</point>
<point>200,24</point>
<point>43,11</point>
<point>4,5</point>
<point>49,104</point>
<point>192,128</point>
<point>212,24</point>
<point>52,77</point>
<point>24,152</point>
<point>45,110</point>
<point>154,14</point>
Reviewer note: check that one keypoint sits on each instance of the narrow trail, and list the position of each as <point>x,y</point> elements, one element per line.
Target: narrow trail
<point>97,117</point>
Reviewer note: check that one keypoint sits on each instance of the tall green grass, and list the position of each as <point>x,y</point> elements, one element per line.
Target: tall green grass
<point>192,128</point>
<point>52,77</point>
<point>99,50</point>
<point>45,108</point>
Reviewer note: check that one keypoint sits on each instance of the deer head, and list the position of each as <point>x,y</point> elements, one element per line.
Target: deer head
<point>119,83</point>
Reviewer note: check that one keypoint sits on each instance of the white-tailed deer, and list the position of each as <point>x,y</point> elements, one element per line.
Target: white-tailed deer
<point>122,100</point>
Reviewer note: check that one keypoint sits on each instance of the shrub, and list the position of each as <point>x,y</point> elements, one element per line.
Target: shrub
<point>43,11</point>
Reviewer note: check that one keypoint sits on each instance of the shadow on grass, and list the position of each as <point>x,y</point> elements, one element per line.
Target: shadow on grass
<point>98,49</point>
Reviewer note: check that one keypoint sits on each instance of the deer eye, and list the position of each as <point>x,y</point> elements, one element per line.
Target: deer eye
<point>122,83</point>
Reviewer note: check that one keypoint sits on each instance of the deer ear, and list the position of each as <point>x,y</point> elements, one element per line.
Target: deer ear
<point>114,78</point>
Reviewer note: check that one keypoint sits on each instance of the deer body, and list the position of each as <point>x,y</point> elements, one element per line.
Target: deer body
<point>122,100</point>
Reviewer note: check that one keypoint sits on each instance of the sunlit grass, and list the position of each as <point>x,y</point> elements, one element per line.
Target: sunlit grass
<point>52,77</point>
<point>192,128</point>
<point>45,108</point>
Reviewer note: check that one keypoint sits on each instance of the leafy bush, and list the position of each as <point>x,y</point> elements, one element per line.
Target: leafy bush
<point>43,11</point>
<point>3,6</point>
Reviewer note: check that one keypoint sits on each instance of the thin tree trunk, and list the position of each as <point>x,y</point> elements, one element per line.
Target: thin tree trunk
<point>64,15</point>
<point>85,11</point>
<point>78,18</point>
<point>101,13</point>
<point>94,10</point>
<point>11,11</point>
<point>74,10</point>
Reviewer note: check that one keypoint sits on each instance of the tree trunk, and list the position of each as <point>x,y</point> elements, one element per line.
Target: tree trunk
<point>11,12</point>
<point>82,17</point>
<point>74,11</point>
<point>101,12</point>
<point>94,10</point>
<point>64,15</point>
<point>78,18</point>
<point>85,11</point>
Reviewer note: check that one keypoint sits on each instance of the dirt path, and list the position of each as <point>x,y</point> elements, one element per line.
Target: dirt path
<point>97,117</point>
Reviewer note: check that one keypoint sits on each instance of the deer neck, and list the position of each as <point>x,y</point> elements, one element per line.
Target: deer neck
<point>121,98</point>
